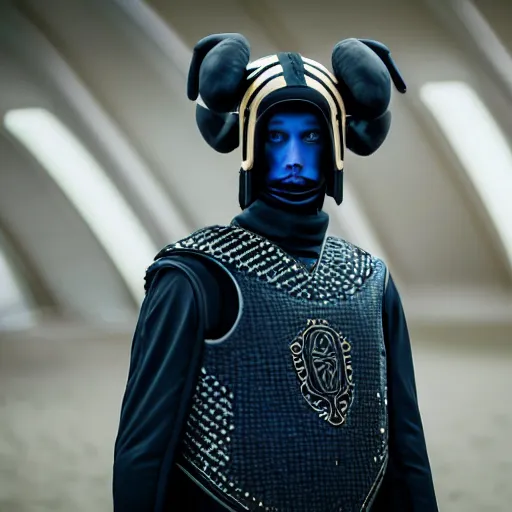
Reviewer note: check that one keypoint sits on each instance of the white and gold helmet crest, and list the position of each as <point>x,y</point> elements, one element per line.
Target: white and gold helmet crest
<point>233,93</point>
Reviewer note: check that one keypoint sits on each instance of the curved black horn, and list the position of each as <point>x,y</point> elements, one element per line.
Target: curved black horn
<point>363,79</point>
<point>217,70</point>
<point>220,131</point>
<point>385,55</point>
<point>364,136</point>
<point>364,69</point>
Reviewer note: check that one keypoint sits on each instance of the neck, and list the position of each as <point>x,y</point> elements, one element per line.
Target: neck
<point>306,199</point>
<point>299,234</point>
<point>300,202</point>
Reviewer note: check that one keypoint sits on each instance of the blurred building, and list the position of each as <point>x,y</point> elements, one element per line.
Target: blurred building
<point>101,164</point>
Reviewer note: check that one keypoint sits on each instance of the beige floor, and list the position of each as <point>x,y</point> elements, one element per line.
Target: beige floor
<point>59,406</point>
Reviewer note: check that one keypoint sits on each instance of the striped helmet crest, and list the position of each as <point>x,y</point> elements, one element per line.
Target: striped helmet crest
<point>233,93</point>
<point>275,72</point>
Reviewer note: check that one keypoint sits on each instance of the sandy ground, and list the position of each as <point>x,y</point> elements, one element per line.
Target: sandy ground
<point>60,400</point>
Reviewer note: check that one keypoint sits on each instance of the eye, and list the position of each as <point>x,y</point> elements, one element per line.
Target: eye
<point>275,136</point>
<point>312,136</point>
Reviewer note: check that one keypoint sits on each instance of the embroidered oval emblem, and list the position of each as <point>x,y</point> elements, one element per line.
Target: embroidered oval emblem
<point>322,360</point>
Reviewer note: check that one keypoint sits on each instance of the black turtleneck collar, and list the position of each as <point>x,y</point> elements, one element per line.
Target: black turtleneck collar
<point>300,235</point>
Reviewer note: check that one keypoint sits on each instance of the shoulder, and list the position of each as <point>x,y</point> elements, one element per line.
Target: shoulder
<point>170,279</point>
<point>185,266</point>
<point>189,258</point>
<point>357,265</point>
<point>199,250</point>
<point>177,268</point>
<point>348,247</point>
<point>350,252</point>
<point>181,285</point>
<point>198,240</point>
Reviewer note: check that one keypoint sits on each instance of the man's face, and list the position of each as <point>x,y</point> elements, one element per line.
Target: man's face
<point>293,149</point>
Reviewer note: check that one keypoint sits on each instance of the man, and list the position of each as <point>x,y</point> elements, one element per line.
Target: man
<point>271,367</point>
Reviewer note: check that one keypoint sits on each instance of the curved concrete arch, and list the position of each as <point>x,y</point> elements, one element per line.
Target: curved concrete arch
<point>144,94</point>
<point>18,305</point>
<point>57,244</point>
<point>489,79</point>
<point>79,279</point>
<point>126,167</point>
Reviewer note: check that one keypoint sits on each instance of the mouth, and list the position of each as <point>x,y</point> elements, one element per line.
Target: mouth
<point>296,184</point>
<point>294,181</point>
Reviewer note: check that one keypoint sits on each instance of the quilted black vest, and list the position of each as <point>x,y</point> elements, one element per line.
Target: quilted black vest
<point>290,409</point>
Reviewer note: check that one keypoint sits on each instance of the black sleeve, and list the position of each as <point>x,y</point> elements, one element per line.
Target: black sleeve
<point>407,484</point>
<point>164,365</point>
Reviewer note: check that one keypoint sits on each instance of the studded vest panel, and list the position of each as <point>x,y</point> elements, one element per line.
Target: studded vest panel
<point>290,409</point>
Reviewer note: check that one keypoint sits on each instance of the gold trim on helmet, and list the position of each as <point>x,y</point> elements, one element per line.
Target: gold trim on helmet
<point>248,96</point>
<point>338,152</point>
<point>338,159</point>
<point>268,73</point>
<point>274,84</point>
<point>259,64</point>
<point>323,82</point>
<point>328,84</point>
<point>320,66</point>
<point>264,61</point>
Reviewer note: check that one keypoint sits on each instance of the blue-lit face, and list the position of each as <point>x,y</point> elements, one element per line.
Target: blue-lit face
<point>293,149</point>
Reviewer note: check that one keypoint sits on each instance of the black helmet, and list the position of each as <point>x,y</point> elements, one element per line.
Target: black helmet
<point>233,95</point>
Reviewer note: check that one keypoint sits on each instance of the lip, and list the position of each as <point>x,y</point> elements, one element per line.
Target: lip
<point>292,186</point>
<point>294,180</point>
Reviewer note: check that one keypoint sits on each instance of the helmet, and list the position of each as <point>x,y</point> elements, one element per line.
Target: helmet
<point>233,95</point>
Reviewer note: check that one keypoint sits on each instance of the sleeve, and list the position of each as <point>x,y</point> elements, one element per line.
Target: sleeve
<point>407,484</point>
<point>164,365</point>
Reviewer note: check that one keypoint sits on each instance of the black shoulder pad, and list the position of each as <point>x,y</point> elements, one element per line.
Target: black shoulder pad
<point>170,261</point>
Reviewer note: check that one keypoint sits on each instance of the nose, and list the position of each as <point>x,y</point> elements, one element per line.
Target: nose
<point>294,157</point>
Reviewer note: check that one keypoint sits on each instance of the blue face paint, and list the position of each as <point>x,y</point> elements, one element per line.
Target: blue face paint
<point>294,149</point>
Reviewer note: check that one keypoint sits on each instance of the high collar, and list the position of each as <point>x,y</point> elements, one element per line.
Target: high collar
<point>300,235</point>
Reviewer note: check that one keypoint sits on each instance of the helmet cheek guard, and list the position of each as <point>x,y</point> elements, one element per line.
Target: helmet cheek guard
<point>232,96</point>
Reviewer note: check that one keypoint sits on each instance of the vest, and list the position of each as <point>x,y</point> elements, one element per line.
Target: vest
<point>290,411</point>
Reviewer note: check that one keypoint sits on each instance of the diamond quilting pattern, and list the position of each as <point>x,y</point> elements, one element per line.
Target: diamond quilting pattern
<point>209,425</point>
<point>207,438</point>
<point>341,271</point>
